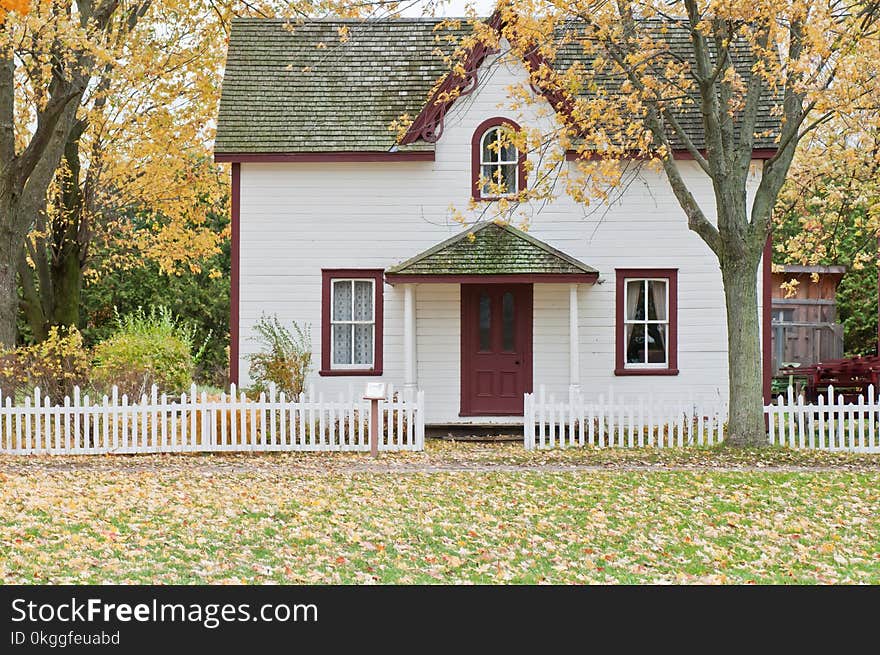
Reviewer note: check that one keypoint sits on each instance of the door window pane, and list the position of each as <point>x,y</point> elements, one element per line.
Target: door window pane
<point>485,321</point>
<point>507,323</point>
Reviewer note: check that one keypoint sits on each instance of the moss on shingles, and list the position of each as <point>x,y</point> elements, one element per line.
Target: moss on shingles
<point>301,88</point>
<point>494,249</point>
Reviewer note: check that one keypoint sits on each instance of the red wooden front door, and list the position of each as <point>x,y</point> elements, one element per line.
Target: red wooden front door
<point>496,348</point>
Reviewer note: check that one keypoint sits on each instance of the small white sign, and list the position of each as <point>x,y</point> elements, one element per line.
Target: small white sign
<point>375,391</point>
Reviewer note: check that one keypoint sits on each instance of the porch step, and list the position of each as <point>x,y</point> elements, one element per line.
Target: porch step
<point>476,433</point>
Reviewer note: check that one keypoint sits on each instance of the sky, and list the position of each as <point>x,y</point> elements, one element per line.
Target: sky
<point>456,8</point>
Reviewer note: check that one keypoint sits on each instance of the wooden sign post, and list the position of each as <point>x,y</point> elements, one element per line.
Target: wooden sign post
<point>374,392</point>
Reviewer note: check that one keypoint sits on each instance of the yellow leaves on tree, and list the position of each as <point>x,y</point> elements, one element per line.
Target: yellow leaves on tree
<point>18,6</point>
<point>147,148</point>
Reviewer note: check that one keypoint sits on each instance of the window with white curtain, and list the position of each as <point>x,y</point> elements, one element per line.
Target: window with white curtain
<point>646,323</point>
<point>352,323</point>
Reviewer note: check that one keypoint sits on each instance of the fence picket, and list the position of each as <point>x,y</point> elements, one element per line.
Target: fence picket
<point>830,423</point>
<point>861,422</point>
<point>115,425</point>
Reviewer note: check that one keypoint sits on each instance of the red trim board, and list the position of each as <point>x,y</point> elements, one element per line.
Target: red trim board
<point>512,278</point>
<point>234,272</point>
<point>327,276</point>
<point>621,274</point>
<point>767,318</point>
<point>323,157</point>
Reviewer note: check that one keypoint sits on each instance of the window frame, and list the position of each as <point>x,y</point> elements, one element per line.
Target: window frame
<point>328,277</point>
<point>477,159</point>
<point>670,276</point>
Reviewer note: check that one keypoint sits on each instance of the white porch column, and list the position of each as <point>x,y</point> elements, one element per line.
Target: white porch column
<point>574,361</point>
<point>409,336</point>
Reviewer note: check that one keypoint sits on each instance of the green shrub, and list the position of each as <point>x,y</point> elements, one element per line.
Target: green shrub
<point>146,349</point>
<point>285,358</point>
<point>55,365</point>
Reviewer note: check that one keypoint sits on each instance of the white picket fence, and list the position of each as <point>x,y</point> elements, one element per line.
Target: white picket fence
<point>616,422</point>
<point>829,424</point>
<point>197,422</point>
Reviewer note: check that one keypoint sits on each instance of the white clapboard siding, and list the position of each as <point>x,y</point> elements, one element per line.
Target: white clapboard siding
<point>300,217</point>
<point>196,423</point>
<point>831,423</point>
<point>616,422</point>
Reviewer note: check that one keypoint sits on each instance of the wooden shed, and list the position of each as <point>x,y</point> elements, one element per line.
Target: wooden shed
<point>805,328</point>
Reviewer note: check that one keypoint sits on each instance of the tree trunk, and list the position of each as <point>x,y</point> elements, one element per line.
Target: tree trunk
<point>67,235</point>
<point>9,251</point>
<point>746,425</point>
<point>66,286</point>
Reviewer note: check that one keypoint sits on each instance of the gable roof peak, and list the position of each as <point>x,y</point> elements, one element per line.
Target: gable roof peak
<point>491,249</point>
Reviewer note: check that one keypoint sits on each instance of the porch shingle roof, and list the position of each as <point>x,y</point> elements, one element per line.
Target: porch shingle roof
<point>494,250</point>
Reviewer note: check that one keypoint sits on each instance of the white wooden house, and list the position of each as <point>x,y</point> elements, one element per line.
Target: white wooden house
<point>339,227</point>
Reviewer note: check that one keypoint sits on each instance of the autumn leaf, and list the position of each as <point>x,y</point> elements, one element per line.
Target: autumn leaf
<point>19,6</point>
<point>574,516</point>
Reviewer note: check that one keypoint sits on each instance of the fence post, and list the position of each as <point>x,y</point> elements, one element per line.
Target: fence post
<point>528,422</point>
<point>420,419</point>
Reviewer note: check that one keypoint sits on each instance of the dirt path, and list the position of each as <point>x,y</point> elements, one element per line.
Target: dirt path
<point>420,463</point>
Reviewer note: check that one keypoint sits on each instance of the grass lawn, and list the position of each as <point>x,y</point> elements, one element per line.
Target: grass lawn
<point>456,513</point>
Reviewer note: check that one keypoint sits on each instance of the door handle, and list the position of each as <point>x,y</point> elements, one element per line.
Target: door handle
<point>517,362</point>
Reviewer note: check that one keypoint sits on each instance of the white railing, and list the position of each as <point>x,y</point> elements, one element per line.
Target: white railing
<point>614,422</point>
<point>828,424</point>
<point>198,422</point>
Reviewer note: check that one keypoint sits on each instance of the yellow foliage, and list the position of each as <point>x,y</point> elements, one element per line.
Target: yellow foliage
<point>19,6</point>
<point>56,365</point>
<point>833,70</point>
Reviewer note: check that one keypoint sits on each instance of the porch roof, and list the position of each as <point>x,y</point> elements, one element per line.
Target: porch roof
<point>492,253</point>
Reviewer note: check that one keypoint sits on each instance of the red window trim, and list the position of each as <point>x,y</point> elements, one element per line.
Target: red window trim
<point>329,274</point>
<point>621,274</point>
<point>476,188</point>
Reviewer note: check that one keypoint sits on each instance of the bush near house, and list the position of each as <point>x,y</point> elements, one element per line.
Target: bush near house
<point>285,358</point>
<point>198,299</point>
<point>147,349</point>
<point>55,365</point>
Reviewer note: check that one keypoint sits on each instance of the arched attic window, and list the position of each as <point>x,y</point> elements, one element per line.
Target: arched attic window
<point>498,167</point>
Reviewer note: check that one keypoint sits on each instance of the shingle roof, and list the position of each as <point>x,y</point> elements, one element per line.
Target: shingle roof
<point>678,37</point>
<point>493,250</point>
<point>298,88</point>
<point>283,93</point>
